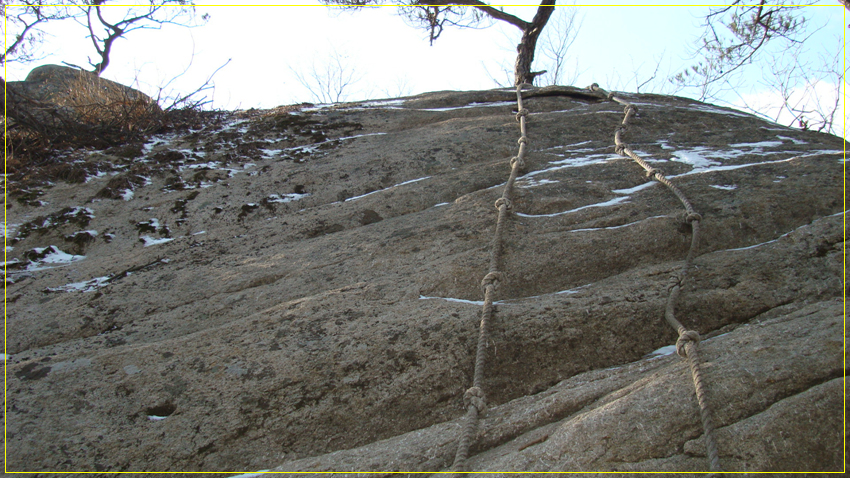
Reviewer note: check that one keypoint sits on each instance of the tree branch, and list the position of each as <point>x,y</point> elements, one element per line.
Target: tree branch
<point>133,20</point>
<point>493,12</point>
<point>20,38</point>
<point>116,33</point>
<point>184,100</point>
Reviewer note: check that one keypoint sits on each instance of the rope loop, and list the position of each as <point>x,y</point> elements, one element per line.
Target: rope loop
<point>504,202</point>
<point>522,140</point>
<point>492,278</point>
<point>631,107</point>
<point>650,173</point>
<point>475,396</point>
<point>685,337</point>
<point>593,87</point>
<point>691,217</point>
<point>516,161</point>
<point>522,112</point>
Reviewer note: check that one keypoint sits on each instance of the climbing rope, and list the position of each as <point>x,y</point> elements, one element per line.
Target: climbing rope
<point>474,397</point>
<point>687,345</point>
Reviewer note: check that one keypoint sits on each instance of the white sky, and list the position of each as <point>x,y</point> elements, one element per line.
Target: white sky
<point>266,39</point>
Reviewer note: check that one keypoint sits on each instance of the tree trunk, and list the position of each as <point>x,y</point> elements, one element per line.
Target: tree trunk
<point>526,47</point>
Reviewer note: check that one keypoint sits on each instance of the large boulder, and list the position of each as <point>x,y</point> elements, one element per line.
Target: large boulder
<point>299,289</point>
<point>54,96</point>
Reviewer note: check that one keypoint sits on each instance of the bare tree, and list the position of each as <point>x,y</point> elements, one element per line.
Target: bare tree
<point>506,81</point>
<point>331,81</point>
<point>400,88</point>
<point>745,33</point>
<point>103,30</point>
<point>654,82</point>
<point>198,99</point>
<point>26,20</point>
<point>555,46</point>
<point>809,90</point>
<point>735,35</point>
<point>434,15</point>
<point>24,25</point>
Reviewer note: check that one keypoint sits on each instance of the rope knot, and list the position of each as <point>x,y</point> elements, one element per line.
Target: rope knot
<point>516,161</point>
<point>522,112</point>
<point>611,95</point>
<point>621,149</point>
<point>593,87</point>
<point>630,107</point>
<point>492,278</point>
<point>693,216</point>
<point>685,337</point>
<point>650,173</point>
<point>475,396</point>
<point>522,140</point>
<point>503,201</point>
<point>674,281</point>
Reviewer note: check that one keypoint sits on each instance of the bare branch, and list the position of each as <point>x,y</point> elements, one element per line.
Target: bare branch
<point>190,100</point>
<point>493,12</point>
<point>330,82</point>
<point>433,15</point>
<point>21,37</point>
<point>748,30</point>
<point>654,75</point>
<point>134,18</point>
<point>556,43</point>
<point>401,87</point>
<point>798,90</point>
<point>507,82</point>
<point>24,19</point>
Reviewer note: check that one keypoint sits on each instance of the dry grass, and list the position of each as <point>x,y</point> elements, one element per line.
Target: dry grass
<point>42,139</point>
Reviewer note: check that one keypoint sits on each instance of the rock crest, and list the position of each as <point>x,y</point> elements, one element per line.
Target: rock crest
<point>55,96</point>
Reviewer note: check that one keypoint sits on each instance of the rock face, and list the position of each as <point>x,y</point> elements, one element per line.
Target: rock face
<point>59,96</point>
<point>298,289</point>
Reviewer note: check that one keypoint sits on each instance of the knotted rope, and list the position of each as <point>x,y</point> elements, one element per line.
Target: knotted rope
<point>474,398</point>
<point>687,344</point>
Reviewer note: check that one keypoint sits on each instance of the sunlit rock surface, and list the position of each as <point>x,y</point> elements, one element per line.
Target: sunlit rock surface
<point>298,289</point>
